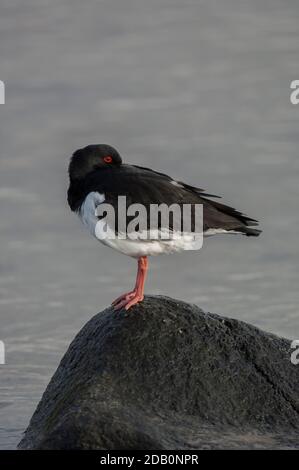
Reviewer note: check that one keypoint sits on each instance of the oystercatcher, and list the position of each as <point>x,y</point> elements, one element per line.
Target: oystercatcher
<point>98,175</point>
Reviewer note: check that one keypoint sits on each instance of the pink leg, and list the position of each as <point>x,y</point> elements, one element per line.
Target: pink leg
<point>136,295</point>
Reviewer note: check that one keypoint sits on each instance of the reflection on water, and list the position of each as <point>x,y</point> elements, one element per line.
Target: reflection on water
<point>196,89</point>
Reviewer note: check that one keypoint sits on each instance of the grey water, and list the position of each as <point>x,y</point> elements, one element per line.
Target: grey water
<point>199,89</point>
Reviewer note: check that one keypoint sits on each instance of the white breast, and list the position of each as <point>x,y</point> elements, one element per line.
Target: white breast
<point>87,212</point>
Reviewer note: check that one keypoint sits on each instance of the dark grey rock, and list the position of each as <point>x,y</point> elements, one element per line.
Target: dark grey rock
<point>166,375</point>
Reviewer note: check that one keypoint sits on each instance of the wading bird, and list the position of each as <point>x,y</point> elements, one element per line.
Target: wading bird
<point>98,175</point>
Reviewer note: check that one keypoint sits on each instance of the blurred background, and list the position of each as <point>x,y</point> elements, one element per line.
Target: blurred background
<point>199,89</point>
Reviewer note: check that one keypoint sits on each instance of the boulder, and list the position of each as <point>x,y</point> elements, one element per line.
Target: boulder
<point>167,375</point>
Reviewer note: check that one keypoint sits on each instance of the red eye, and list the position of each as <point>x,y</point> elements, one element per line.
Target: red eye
<point>107,159</point>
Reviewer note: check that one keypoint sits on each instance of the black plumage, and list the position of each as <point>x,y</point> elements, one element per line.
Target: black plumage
<point>145,186</point>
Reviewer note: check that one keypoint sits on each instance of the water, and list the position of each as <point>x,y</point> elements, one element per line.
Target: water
<point>198,89</point>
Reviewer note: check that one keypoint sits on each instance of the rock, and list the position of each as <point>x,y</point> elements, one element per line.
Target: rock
<point>167,375</point>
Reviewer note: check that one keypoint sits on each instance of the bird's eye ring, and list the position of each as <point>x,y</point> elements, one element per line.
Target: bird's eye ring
<point>107,159</point>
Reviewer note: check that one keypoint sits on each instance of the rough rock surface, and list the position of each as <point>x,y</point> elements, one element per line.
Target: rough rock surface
<point>167,375</point>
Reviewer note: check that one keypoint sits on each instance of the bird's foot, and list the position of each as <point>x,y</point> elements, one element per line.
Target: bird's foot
<point>127,300</point>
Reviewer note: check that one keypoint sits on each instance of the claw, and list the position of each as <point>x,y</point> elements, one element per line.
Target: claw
<point>136,295</point>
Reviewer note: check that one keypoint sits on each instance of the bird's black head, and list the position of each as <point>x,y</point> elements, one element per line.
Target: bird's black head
<point>91,158</point>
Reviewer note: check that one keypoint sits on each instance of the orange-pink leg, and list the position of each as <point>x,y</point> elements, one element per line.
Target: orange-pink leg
<point>137,294</point>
